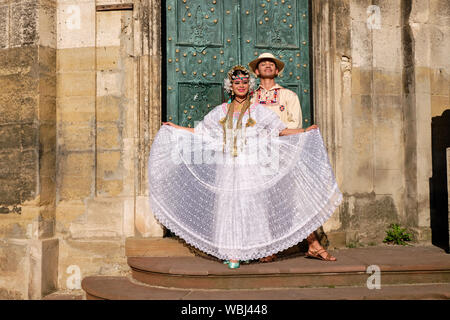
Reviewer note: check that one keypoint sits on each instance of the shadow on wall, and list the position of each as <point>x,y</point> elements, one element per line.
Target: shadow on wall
<point>440,135</point>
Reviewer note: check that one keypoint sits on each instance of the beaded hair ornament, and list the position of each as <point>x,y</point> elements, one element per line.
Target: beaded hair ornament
<point>245,75</point>
<point>238,72</point>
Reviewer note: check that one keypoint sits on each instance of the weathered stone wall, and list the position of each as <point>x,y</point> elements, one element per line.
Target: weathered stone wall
<point>107,80</point>
<point>426,82</point>
<point>80,103</point>
<point>378,75</point>
<point>27,148</point>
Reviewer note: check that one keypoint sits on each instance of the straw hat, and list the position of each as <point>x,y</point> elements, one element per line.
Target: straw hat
<point>266,55</point>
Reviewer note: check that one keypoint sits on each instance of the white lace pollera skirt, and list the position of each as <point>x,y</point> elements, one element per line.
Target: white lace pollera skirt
<point>269,198</point>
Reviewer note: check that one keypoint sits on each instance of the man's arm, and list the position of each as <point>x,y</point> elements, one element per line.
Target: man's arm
<point>288,132</point>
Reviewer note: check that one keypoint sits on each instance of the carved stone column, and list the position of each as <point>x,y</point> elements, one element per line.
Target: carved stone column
<point>150,108</point>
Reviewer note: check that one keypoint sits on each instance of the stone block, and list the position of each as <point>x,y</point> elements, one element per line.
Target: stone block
<point>18,60</point>
<point>18,83</point>
<point>4,26</point>
<point>75,187</point>
<point>439,13</point>
<point>420,12</point>
<point>47,63</point>
<point>145,221</point>
<point>358,10</point>
<point>8,163</point>
<point>388,182</point>
<point>387,82</point>
<point>422,43</point>
<point>76,137</point>
<point>108,108</point>
<point>107,212</point>
<point>76,110</point>
<point>108,58</point>
<point>81,258</point>
<point>422,234</point>
<point>390,13</point>
<point>109,83</point>
<point>362,50</point>
<point>389,157</point>
<point>104,218</point>
<point>439,46</point>
<point>10,136</point>
<point>365,82</point>
<point>109,164</point>
<point>76,59</point>
<point>76,24</point>
<point>50,252</point>
<point>108,136</point>
<point>388,134</point>
<point>47,17</point>
<point>112,188</point>
<point>43,268</point>
<point>109,173</point>
<point>47,85</point>
<point>368,215</point>
<point>77,164</point>
<point>388,109</point>
<point>337,239</point>
<point>387,47</point>
<point>76,84</point>
<point>47,137</point>
<point>10,109</point>
<point>47,190</point>
<point>361,108</point>
<point>440,80</point>
<point>24,23</point>
<point>66,212</point>
<point>358,171</point>
<point>439,104</point>
<point>423,141</point>
<point>128,216</point>
<point>423,80</point>
<point>14,265</point>
<point>47,108</point>
<point>29,135</point>
<point>156,247</point>
<point>109,28</point>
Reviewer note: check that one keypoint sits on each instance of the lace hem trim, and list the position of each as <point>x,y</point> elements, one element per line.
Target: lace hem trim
<point>263,251</point>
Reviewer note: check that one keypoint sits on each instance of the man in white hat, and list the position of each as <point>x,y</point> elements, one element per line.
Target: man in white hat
<point>282,101</point>
<point>286,105</point>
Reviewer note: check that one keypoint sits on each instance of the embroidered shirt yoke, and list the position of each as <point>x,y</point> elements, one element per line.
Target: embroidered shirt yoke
<point>283,102</point>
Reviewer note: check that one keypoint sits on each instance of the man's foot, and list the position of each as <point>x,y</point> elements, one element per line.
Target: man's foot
<point>269,258</point>
<point>320,254</point>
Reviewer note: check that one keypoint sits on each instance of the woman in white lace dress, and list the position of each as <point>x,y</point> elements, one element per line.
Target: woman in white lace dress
<point>240,185</point>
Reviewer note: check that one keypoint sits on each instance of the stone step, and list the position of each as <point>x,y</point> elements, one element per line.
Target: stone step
<point>398,265</point>
<point>156,247</point>
<point>65,295</point>
<point>123,288</point>
<point>176,247</point>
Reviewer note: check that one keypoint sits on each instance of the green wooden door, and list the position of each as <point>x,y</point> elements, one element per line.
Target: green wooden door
<point>205,38</point>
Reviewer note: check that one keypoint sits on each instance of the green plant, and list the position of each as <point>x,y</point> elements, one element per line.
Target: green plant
<point>351,245</point>
<point>397,235</point>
